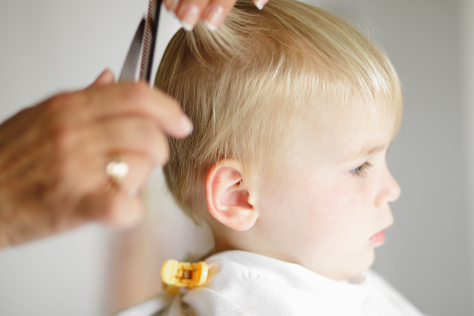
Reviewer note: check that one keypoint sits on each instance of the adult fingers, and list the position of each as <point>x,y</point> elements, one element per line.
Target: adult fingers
<point>138,99</point>
<point>189,12</point>
<point>129,135</point>
<point>84,153</point>
<point>113,207</point>
<point>213,13</point>
<point>171,5</point>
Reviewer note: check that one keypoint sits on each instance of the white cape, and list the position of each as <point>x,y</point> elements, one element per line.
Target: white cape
<point>244,283</point>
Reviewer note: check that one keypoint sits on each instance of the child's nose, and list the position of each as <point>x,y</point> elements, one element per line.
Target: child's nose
<point>390,190</point>
<point>395,190</point>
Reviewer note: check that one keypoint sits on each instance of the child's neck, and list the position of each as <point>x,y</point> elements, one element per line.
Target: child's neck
<point>221,244</point>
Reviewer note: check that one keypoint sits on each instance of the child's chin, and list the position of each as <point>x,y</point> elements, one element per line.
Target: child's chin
<point>365,263</point>
<point>357,269</point>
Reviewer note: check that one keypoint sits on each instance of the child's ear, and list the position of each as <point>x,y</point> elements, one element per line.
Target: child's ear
<point>227,195</point>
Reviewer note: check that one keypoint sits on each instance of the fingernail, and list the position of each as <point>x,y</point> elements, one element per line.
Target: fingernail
<point>190,16</point>
<point>259,4</point>
<point>185,125</point>
<point>214,17</point>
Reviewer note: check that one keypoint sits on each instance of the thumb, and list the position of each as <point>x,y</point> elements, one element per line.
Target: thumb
<point>105,78</point>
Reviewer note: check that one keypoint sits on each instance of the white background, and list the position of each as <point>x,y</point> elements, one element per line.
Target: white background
<point>51,45</point>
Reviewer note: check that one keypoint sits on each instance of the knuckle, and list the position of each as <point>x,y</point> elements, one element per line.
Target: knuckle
<point>142,88</point>
<point>64,100</point>
<point>137,91</point>
<point>138,96</point>
<point>59,100</point>
<point>62,109</point>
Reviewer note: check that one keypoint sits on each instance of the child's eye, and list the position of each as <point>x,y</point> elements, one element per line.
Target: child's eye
<point>362,169</point>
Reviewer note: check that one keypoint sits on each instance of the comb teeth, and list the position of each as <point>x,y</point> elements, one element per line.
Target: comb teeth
<point>147,40</point>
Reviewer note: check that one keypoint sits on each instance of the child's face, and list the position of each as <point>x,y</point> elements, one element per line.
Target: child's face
<point>327,210</point>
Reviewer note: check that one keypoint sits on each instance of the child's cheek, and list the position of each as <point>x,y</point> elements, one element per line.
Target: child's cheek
<point>349,200</point>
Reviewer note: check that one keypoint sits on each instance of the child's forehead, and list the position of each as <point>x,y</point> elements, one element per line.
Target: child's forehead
<point>338,128</point>
<point>340,115</point>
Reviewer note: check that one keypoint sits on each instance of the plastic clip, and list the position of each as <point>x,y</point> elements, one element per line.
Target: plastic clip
<point>183,274</point>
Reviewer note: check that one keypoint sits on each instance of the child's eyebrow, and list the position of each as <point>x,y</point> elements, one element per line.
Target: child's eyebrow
<point>364,152</point>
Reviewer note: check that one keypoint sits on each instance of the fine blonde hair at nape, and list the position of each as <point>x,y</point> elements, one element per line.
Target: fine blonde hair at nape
<point>247,86</point>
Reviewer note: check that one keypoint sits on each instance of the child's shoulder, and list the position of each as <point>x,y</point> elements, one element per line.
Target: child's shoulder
<point>244,283</point>
<point>385,294</point>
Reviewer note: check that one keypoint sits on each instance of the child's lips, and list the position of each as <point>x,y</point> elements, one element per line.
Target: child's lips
<point>378,239</point>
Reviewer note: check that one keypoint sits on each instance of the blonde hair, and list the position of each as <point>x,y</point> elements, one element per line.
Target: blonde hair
<point>247,86</point>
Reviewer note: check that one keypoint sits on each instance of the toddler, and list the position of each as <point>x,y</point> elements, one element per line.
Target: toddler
<point>294,111</point>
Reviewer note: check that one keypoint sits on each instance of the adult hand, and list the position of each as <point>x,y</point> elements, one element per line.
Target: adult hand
<point>212,12</point>
<point>53,157</point>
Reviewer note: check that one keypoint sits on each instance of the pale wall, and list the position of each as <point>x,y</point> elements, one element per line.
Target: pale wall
<point>466,10</point>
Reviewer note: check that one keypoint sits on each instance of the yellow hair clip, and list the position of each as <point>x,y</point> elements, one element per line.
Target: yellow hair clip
<point>183,274</point>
